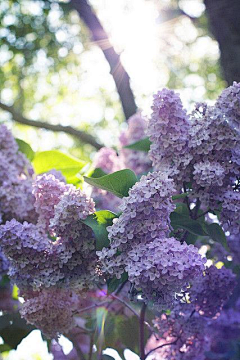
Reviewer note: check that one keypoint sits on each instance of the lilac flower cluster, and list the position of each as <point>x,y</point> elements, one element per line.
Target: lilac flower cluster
<point>138,161</point>
<point>164,268</point>
<point>168,130</point>
<point>108,160</point>
<point>16,199</point>
<point>36,260</point>
<point>191,326</point>
<point>51,310</point>
<point>139,244</point>
<point>201,148</point>
<point>208,292</point>
<point>53,260</point>
<point>185,331</point>
<point>229,104</point>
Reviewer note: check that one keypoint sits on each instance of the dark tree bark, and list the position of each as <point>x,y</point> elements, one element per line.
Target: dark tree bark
<point>224,19</point>
<point>118,72</point>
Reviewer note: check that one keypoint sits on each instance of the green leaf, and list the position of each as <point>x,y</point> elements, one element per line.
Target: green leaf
<point>216,233</point>
<point>13,329</point>
<point>180,196</point>
<point>15,292</point>
<point>54,159</point>
<point>181,208</point>
<point>113,284</point>
<point>26,149</point>
<point>98,222</point>
<point>98,172</point>
<point>185,222</point>
<point>5,348</point>
<point>128,332</point>
<point>117,183</point>
<point>141,145</point>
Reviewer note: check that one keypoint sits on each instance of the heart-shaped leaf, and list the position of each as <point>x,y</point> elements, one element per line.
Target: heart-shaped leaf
<point>117,183</point>
<point>141,145</point>
<point>98,222</point>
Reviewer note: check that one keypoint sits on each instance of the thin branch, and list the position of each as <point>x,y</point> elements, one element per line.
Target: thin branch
<point>134,312</point>
<point>126,304</point>
<point>141,331</point>
<point>80,135</point>
<point>197,207</point>
<point>100,37</point>
<point>161,346</point>
<point>91,307</point>
<point>203,214</point>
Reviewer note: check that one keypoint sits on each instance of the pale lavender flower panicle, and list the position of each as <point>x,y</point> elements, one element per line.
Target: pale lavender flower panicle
<point>231,208</point>
<point>229,104</point>
<point>169,131</point>
<point>145,216</point>
<point>108,160</point>
<point>8,145</point>
<point>214,146</point>
<point>16,199</point>
<point>163,268</point>
<point>75,239</point>
<point>208,173</point>
<point>57,174</point>
<point>36,260</point>
<point>47,191</point>
<point>139,243</point>
<point>51,310</point>
<point>70,208</point>
<point>145,212</point>
<point>31,255</point>
<point>185,331</point>
<point>138,161</point>
<point>210,292</point>
<point>9,149</point>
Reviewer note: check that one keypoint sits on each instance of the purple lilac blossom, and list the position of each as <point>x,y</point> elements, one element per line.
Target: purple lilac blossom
<point>210,292</point>
<point>185,331</point>
<point>35,259</point>
<point>57,174</point>
<point>163,268</point>
<point>138,161</point>
<point>229,104</point>
<point>16,199</point>
<point>139,243</point>
<point>108,160</point>
<point>51,310</point>
<point>47,191</point>
<point>145,216</point>
<point>168,130</point>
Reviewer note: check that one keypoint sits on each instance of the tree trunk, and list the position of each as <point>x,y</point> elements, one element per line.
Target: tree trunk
<point>224,19</point>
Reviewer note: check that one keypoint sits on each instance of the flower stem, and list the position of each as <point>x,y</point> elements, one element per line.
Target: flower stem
<point>141,332</point>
